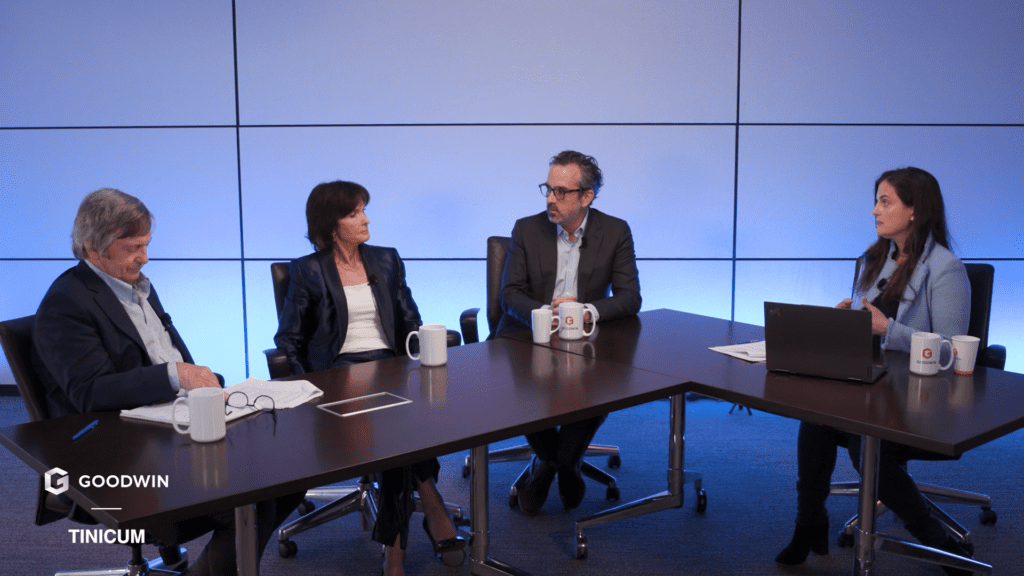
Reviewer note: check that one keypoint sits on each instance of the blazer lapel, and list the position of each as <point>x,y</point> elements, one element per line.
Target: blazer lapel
<point>111,306</point>
<point>548,253</point>
<point>915,286</point>
<point>165,319</point>
<point>335,292</point>
<point>588,257</point>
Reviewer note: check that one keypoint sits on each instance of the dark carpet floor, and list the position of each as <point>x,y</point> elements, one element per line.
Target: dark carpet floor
<point>749,469</point>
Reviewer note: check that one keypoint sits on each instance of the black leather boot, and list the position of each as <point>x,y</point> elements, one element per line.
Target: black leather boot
<point>805,539</point>
<point>535,491</point>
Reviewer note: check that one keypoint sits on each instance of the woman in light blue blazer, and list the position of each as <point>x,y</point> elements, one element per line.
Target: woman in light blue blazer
<point>910,282</point>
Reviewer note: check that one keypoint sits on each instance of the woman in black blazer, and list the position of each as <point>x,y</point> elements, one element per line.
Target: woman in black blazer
<point>348,303</point>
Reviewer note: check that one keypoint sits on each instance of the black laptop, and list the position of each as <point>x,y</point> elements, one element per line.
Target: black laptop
<point>820,341</point>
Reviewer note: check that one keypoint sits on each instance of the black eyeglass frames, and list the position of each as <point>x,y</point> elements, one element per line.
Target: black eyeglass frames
<point>560,193</point>
<point>240,400</point>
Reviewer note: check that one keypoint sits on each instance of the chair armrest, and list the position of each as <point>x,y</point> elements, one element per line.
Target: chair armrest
<point>454,338</point>
<point>467,321</point>
<point>992,357</point>
<point>277,362</point>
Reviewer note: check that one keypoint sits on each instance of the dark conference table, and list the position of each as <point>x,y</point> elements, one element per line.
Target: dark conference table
<point>948,414</point>
<point>487,392</point>
<point>496,390</point>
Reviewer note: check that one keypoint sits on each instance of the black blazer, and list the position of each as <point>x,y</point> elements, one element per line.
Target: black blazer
<point>314,319</point>
<point>88,353</point>
<point>607,276</point>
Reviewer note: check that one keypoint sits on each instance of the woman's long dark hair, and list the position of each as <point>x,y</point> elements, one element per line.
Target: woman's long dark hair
<point>919,190</point>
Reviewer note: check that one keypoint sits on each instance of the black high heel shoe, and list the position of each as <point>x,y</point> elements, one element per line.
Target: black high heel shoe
<point>805,539</point>
<point>452,551</point>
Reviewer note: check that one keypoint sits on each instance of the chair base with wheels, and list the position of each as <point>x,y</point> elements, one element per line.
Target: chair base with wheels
<point>931,493</point>
<point>137,566</point>
<point>344,500</point>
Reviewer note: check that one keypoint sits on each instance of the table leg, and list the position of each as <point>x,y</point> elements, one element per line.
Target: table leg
<point>479,562</point>
<point>671,498</point>
<point>868,541</point>
<point>246,549</point>
<point>864,559</point>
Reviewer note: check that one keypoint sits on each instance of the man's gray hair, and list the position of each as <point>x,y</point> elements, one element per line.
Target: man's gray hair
<point>591,177</point>
<point>107,215</point>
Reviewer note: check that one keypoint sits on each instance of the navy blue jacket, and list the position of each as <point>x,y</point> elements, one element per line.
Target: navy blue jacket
<point>88,353</point>
<point>314,319</point>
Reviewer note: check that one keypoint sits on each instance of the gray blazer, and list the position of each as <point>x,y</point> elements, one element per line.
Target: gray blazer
<point>937,298</point>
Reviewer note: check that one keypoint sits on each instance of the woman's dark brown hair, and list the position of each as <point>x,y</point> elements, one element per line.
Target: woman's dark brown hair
<point>919,190</point>
<point>328,203</point>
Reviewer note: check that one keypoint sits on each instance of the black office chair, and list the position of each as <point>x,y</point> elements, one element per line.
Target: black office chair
<point>342,500</point>
<point>990,356</point>
<point>497,252</point>
<point>16,339</point>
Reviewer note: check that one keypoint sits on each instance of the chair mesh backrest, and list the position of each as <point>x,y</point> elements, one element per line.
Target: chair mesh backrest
<point>497,251</point>
<point>16,337</point>
<point>281,278</point>
<point>980,276</point>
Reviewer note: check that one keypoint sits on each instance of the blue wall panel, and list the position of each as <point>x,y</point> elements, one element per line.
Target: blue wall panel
<point>312,62</point>
<point>116,63</point>
<point>439,192</point>
<point>449,113</point>
<point>187,177</point>
<point>916,61</point>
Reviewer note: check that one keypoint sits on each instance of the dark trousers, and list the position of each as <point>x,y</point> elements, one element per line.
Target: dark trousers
<point>567,444</point>
<point>816,459</point>
<point>395,504</point>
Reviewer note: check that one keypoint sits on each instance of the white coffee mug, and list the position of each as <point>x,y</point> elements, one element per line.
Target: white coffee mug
<point>542,329</point>
<point>433,345</point>
<point>925,350</point>
<point>965,352</point>
<point>570,316</point>
<point>205,421</point>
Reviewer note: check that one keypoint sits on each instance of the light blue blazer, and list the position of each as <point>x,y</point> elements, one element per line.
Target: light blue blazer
<point>937,298</point>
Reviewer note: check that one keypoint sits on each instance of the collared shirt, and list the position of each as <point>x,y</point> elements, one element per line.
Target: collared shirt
<point>567,275</point>
<point>155,337</point>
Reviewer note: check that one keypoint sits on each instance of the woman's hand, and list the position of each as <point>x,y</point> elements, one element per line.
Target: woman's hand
<point>846,303</point>
<point>879,323</point>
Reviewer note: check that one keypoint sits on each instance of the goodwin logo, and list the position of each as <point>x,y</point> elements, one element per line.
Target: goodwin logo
<point>926,353</point>
<point>55,481</point>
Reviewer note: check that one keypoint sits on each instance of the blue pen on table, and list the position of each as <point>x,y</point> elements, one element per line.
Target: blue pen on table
<point>85,430</point>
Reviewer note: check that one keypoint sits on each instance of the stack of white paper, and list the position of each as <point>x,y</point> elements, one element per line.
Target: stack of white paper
<point>285,394</point>
<point>749,351</point>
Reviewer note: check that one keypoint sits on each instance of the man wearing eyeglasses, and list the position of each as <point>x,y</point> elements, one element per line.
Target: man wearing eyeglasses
<point>102,342</point>
<point>568,253</point>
